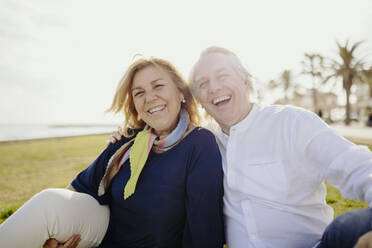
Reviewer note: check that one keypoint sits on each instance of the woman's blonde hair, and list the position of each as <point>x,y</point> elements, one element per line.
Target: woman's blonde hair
<point>123,100</point>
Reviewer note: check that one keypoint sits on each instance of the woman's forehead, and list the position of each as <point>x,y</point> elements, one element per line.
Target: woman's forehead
<point>149,74</point>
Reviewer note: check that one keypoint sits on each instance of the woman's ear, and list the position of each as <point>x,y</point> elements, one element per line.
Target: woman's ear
<point>183,100</point>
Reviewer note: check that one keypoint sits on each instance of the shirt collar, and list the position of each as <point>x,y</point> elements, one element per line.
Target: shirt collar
<point>243,124</point>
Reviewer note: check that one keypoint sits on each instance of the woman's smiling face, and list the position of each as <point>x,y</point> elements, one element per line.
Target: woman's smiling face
<point>157,99</point>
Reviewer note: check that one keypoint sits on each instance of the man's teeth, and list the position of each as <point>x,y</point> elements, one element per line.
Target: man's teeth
<point>153,110</point>
<point>221,99</point>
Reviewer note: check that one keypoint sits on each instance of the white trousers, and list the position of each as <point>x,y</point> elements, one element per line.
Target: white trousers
<point>55,213</point>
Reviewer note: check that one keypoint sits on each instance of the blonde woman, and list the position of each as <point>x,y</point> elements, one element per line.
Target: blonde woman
<point>160,186</point>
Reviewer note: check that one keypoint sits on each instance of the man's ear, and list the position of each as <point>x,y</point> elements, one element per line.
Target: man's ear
<point>249,84</point>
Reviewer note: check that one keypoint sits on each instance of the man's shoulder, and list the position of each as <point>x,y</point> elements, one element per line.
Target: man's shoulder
<point>292,118</point>
<point>281,111</point>
<point>282,116</point>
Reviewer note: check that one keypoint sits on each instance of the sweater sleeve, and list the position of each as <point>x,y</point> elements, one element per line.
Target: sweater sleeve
<point>342,163</point>
<point>88,180</point>
<point>204,192</point>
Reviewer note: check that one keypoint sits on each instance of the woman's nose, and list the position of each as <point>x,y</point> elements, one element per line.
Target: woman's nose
<point>150,96</point>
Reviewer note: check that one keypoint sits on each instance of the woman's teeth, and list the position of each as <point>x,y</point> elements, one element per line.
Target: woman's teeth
<point>156,109</point>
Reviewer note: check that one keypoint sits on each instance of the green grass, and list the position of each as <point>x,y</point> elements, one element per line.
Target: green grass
<point>340,204</point>
<point>27,167</point>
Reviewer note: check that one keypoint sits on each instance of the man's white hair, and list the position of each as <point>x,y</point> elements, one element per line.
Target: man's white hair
<point>235,61</point>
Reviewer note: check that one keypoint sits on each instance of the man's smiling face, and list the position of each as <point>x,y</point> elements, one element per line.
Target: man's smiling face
<point>221,89</point>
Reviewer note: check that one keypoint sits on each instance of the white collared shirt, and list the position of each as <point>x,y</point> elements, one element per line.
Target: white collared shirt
<point>275,162</point>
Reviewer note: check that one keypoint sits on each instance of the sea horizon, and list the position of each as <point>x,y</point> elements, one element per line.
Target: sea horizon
<point>18,132</point>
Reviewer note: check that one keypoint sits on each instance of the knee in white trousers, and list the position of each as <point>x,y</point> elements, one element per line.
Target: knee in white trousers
<point>56,213</point>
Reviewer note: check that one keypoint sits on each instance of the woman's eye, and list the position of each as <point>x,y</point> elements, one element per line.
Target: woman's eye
<point>138,93</point>
<point>158,86</point>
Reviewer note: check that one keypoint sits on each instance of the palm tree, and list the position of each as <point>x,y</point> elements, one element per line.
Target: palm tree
<point>367,77</point>
<point>313,65</point>
<point>286,80</point>
<point>272,84</point>
<point>285,83</point>
<point>349,68</point>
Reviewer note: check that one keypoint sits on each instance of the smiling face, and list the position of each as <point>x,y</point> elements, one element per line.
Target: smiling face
<point>156,99</point>
<point>221,90</point>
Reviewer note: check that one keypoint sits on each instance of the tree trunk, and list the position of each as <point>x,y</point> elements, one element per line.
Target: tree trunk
<point>315,102</point>
<point>347,119</point>
<point>286,96</point>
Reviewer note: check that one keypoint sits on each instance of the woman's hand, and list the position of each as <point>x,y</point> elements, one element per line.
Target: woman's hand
<point>115,136</point>
<point>72,242</point>
<point>365,241</point>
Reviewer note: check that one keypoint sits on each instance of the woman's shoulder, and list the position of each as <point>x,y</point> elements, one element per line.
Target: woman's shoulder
<point>204,149</point>
<point>202,132</point>
<point>201,136</point>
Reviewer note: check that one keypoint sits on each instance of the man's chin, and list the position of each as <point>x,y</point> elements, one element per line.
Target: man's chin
<point>224,122</point>
<point>222,117</point>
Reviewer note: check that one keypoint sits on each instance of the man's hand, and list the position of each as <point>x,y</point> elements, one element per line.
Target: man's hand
<point>365,241</point>
<point>115,136</point>
<point>72,242</point>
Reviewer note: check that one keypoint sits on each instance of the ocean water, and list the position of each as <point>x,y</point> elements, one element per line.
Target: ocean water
<point>26,132</point>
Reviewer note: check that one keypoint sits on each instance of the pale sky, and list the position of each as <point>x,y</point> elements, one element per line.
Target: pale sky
<point>60,61</point>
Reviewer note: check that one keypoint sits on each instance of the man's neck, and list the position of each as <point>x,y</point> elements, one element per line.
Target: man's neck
<point>226,128</point>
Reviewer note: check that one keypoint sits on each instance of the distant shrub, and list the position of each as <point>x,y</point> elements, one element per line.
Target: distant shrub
<point>5,213</point>
<point>331,201</point>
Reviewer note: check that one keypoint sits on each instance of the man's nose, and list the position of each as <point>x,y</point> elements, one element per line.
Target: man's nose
<point>214,85</point>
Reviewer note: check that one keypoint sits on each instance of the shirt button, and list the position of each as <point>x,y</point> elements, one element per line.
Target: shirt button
<point>253,237</point>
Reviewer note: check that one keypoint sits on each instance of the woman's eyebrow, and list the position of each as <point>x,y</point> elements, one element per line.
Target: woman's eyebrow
<point>155,80</point>
<point>136,88</point>
<point>152,82</point>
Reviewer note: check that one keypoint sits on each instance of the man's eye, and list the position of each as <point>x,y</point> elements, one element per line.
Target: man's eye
<point>203,84</point>
<point>158,86</point>
<point>222,77</point>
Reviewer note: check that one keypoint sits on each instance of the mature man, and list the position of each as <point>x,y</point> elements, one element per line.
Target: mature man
<point>275,161</point>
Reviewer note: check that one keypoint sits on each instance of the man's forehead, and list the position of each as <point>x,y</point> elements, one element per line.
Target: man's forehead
<point>214,61</point>
<point>214,58</point>
<point>215,70</point>
<point>206,71</point>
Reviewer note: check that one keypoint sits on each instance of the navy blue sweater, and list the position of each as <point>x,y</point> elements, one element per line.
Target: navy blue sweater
<point>178,197</point>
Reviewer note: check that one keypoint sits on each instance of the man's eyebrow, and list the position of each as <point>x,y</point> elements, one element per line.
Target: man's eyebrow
<point>221,70</point>
<point>197,80</point>
<point>152,82</point>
